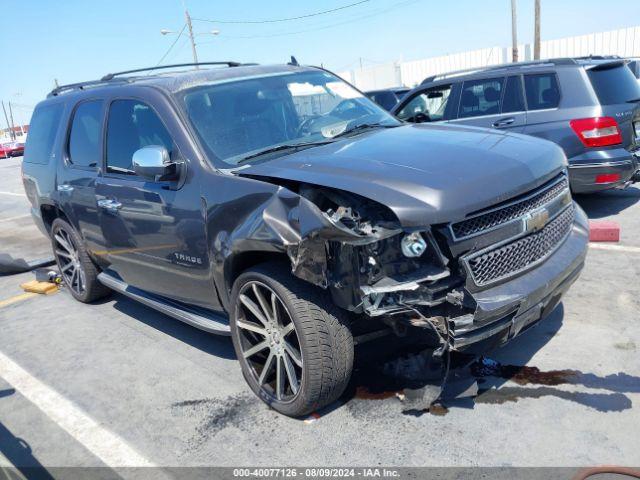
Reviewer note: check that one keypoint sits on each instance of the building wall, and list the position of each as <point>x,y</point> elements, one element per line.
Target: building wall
<point>624,42</point>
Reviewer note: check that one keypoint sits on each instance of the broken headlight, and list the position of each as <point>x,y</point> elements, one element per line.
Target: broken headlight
<point>413,245</point>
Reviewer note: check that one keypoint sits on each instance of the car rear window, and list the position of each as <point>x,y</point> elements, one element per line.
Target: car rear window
<point>614,85</point>
<point>42,133</point>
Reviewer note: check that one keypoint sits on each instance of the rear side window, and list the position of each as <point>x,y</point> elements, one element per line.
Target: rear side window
<point>513,100</point>
<point>42,133</point>
<point>481,97</point>
<point>614,85</point>
<point>542,91</point>
<point>85,149</point>
<point>131,126</point>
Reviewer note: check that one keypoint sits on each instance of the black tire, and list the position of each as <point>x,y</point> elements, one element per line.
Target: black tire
<point>87,289</point>
<point>321,330</point>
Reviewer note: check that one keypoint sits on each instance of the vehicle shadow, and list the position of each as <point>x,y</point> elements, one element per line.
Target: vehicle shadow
<point>500,376</point>
<point>610,202</point>
<point>19,452</point>
<point>206,342</point>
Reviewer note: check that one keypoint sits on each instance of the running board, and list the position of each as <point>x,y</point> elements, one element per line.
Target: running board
<point>209,322</point>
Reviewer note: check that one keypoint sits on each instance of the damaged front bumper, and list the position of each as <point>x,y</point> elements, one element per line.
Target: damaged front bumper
<point>507,309</point>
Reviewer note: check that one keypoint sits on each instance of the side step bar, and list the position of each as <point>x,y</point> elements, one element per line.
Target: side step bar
<point>209,322</point>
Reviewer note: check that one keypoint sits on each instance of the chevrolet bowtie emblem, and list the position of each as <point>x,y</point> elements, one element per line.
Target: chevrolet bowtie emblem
<point>536,220</point>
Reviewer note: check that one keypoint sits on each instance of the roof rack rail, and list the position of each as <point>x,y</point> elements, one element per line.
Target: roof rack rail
<point>553,61</point>
<point>110,76</point>
<point>72,86</point>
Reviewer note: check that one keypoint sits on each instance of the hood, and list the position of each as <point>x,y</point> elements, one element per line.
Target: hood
<point>426,174</point>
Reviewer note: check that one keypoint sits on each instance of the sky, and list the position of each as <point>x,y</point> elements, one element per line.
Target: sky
<point>74,40</point>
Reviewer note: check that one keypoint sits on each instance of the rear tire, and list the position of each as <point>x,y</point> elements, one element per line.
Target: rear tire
<point>308,340</point>
<point>78,271</point>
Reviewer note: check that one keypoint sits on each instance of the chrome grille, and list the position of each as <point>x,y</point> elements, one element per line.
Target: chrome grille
<point>491,265</point>
<point>489,220</point>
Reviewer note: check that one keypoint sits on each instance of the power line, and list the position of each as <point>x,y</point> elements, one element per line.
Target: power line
<point>282,34</point>
<point>172,45</point>
<point>288,19</point>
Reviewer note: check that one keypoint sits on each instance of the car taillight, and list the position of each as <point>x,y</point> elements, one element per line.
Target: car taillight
<point>608,178</point>
<point>597,131</point>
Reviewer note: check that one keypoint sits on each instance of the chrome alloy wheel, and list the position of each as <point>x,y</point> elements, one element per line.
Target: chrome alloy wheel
<point>269,341</point>
<point>68,259</point>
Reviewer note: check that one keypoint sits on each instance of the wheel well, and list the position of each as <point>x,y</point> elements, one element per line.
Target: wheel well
<point>50,213</point>
<point>244,261</point>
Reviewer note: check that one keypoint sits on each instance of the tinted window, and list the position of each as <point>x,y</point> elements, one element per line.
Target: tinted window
<point>132,125</point>
<point>42,133</point>
<point>614,85</point>
<point>542,91</point>
<point>428,106</point>
<point>386,100</point>
<point>481,97</point>
<point>84,139</point>
<point>513,100</point>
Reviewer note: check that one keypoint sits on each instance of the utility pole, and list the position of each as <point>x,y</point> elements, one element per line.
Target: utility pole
<point>6,118</point>
<point>536,34</point>
<point>514,32</point>
<point>13,133</point>
<point>191,37</point>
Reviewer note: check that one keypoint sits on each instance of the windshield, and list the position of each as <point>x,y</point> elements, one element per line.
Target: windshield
<point>236,120</point>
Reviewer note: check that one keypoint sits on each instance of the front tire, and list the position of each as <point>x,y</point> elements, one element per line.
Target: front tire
<point>294,345</point>
<point>79,273</point>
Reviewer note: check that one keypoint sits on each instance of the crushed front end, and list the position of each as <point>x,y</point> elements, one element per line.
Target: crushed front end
<point>488,276</point>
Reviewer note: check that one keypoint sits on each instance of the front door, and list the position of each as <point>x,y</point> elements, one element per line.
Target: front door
<point>155,231</point>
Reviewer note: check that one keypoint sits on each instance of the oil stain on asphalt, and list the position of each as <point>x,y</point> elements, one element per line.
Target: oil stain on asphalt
<point>480,380</point>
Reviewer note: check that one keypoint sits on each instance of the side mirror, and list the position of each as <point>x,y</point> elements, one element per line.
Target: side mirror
<point>153,163</point>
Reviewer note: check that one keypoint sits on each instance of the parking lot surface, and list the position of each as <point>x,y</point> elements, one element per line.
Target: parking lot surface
<point>116,383</point>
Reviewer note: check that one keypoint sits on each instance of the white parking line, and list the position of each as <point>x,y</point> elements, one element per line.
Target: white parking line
<point>13,194</point>
<point>615,248</point>
<point>18,217</point>
<point>104,444</point>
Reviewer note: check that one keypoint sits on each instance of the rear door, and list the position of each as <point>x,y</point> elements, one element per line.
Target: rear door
<point>78,171</point>
<point>493,103</point>
<point>154,231</point>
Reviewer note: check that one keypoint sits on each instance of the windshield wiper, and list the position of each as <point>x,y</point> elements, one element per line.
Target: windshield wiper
<point>282,147</point>
<point>635,100</point>
<point>363,126</point>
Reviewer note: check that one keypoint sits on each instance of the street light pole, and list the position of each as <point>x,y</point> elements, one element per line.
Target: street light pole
<point>191,37</point>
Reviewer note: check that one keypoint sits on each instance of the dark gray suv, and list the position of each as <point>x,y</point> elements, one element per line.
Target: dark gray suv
<point>590,107</point>
<point>279,205</point>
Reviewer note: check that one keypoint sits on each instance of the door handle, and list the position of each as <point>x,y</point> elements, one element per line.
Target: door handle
<point>65,188</point>
<point>110,205</point>
<point>503,122</point>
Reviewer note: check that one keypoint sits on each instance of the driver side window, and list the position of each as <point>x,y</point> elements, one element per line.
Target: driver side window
<point>428,106</point>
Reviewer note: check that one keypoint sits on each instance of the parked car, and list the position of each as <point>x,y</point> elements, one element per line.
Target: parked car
<point>280,206</point>
<point>389,97</point>
<point>12,149</point>
<point>589,106</point>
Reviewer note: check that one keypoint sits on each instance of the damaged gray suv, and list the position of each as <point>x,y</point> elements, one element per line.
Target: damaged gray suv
<point>279,205</point>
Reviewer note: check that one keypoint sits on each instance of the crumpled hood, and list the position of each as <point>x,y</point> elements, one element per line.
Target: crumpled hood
<point>426,174</point>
